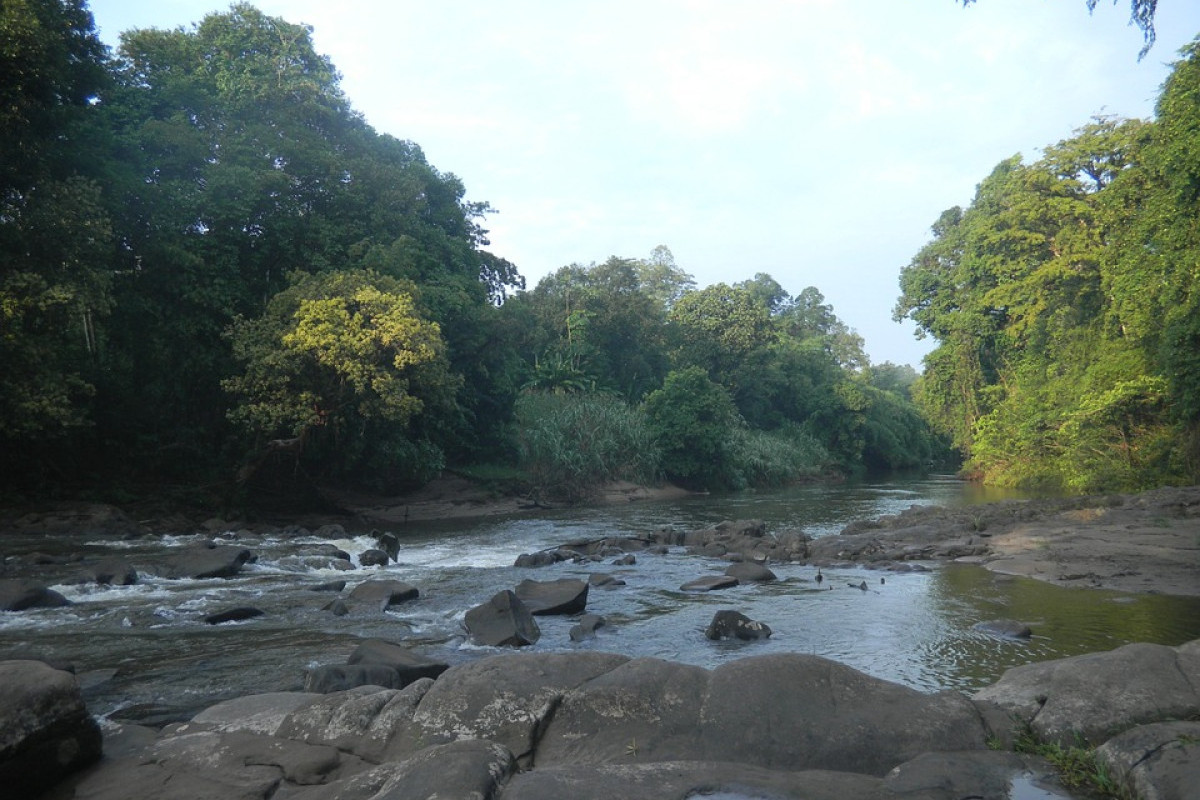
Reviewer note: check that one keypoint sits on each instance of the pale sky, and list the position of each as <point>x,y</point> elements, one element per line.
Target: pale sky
<point>814,140</point>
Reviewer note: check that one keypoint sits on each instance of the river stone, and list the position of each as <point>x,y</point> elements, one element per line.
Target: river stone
<point>19,594</point>
<point>685,779</point>
<point>340,677</point>
<point>1004,628</point>
<point>793,711</point>
<point>336,607</point>
<point>208,764</point>
<point>45,729</point>
<point>503,621</point>
<point>367,721</point>
<point>234,615</point>
<point>507,698</point>
<point>564,596</point>
<point>1096,695</point>
<point>586,629</point>
<point>205,561</point>
<point>384,593</point>
<point>256,713</point>
<point>468,768</point>
<point>112,572</point>
<point>727,624</point>
<point>409,665</point>
<point>750,572</point>
<point>710,583</point>
<point>328,586</point>
<point>1161,760</point>
<point>975,773</point>
<point>373,557</point>
<point>604,581</point>
<point>642,710</point>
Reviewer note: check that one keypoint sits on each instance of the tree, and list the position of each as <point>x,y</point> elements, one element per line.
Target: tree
<point>1141,13</point>
<point>691,418</point>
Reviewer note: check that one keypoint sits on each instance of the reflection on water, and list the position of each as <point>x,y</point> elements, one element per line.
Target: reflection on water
<point>914,628</point>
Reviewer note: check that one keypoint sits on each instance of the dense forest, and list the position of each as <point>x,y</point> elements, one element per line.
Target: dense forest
<point>214,273</point>
<point>212,267</point>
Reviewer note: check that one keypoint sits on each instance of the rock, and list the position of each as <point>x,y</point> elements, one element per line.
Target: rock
<point>604,581</point>
<point>332,531</point>
<point>750,572</point>
<point>340,677</point>
<point>45,729</point>
<point>112,572</point>
<point>980,774</point>
<point>507,698</point>
<point>409,665</point>
<point>234,615</point>
<point>627,560</point>
<point>373,558</point>
<point>586,629</point>
<point>542,558</point>
<point>468,768</point>
<point>336,607</point>
<point>565,596</point>
<point>503,621</point>
<point>728,624</point>
<point>1094,696</point>
<point>19,594</point>
<point>203,561</point>
<point>1161,760</point>
<point>389,543</point>
<point>384,593</point>
<point>328,586</point>
<point>685,779</point>
<point>710,583</point>
<point>1004,628</point>
<point>256,713</point>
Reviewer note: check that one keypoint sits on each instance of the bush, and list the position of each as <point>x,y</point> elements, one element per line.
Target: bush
<point>571,444</point>
<point>691,418</point>
<point>764,459</point>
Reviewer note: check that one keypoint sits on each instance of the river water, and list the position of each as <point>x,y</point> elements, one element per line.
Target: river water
<point>144,653</point>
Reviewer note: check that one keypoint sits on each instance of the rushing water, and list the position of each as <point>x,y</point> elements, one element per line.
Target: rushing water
<point>144,652</point>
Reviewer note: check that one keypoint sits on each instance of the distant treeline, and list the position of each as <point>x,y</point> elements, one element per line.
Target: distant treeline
<point>209,259</point>
<point>1066,303</point>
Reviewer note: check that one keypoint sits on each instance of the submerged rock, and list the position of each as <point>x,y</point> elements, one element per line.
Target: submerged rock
<point>19,594</point>
<point>384,593</point>
<point>1004,628</point>
<point>728,624</point>
<point>710,583</point>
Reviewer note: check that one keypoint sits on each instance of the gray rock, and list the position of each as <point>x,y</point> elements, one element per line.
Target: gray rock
<point>409,665</point>
<point>336,607</point>
<point>710,583</point>
<point>373,558</point>
<point>627,560</point>
<point>507,698</point>
<point>586,629</point>
<point>503,621</point>
<point>1095,696</point>
<point>19,594</point>
<point>328,586</point>
<point>542,558</point>
<point>750,572</point>
<point>685,779</point>
<point>468,768</point>
<point>604,581</point>
<point>384,593</point>
<point>389,543</point>
<point>727,624</point>
<point>112,572</point>
<point>234,615</point>
<point>976,773</point>
<point>45,729</point>
<point>256,713</point>
<point>564,596</point>
<point>340,677</point>
<point>373,723</point>
<point>1004,628</point>
<point>1160,761</point>
<point>203,561</point>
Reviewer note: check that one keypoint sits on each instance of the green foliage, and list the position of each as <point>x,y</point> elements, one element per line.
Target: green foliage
<point>572,444</point>
<point>768,459</point>
<point>691,418</point>
<point>1078,766</point>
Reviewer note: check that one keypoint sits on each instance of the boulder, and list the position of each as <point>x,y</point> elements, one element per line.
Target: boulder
<point>627,560</point>
<point>586,629</point>
<point>330,678</point>
<point>206,561</point>
<point>604,581</point>
<point>256,713</point>
<point>467,768</point>
<point>1004,629</point>
<point>112,572</point>
<point>234,615</point>
<point>564,596</point>
<point>710,583</point>
<point>728,624</point>
<point>373,558</point>
<point>409,665</point>
<point>328,586</point>
<point>542,558</point>
<point>1094,696</point>
<point>750,572</point>
<point>1161,760</point>
<point>503,621</point>
<point>384,594</point>
<point>45,729</point>
<point>336,607</point>
<point>975,773</point>
<point>371,722</point>
<point>19,594</point>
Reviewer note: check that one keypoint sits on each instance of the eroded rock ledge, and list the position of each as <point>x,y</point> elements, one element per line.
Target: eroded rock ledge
<point>597,725</point>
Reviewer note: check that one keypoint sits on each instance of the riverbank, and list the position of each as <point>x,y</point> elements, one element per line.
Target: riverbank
<point>1141,543</point>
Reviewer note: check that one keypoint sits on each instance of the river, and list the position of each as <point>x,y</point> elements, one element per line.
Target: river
<point>144,653</point>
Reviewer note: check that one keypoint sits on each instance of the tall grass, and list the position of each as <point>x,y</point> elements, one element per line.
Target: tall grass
<point>572,444</point>
<point>765,459</point>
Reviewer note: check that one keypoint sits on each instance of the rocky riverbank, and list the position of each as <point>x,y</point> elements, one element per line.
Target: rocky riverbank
<point>597,725</point>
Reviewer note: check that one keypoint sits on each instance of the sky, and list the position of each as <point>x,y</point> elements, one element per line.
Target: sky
<point>813,140</point>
